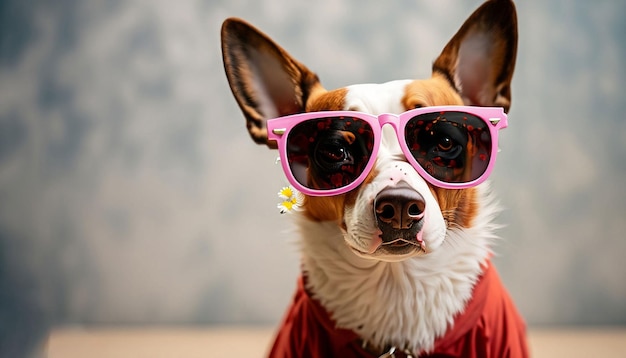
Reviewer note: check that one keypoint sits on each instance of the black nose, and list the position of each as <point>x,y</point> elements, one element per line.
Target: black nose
<point>399,206</point>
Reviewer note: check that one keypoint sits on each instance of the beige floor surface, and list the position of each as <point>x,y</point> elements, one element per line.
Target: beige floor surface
<point>165,342</point>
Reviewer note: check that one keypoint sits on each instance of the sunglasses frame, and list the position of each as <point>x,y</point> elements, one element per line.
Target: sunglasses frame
<point>278,130</point>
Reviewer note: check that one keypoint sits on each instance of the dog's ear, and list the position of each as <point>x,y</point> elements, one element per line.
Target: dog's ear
<point>479,60</point>
<point>265,80</point>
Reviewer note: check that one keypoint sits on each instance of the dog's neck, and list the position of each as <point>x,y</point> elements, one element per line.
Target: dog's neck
<point>407,304</point>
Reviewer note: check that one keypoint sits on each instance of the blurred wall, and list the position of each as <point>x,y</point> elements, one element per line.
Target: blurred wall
<point>130,192</point>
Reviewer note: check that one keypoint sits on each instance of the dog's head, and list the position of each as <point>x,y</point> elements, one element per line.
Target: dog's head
<point>394,212</point>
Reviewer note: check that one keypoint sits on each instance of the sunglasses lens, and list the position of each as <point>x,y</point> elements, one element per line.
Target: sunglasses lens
<point>453,147</point>
<point>329,153</point>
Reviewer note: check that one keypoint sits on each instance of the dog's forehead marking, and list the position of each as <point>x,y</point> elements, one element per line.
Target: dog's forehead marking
<point>377,98</point>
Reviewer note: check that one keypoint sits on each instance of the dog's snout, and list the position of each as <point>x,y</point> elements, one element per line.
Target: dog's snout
<point>399,206</point>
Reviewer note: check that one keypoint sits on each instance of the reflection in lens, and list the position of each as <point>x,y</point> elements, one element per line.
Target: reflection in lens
<point>453,147</point>
<point>329,153</point>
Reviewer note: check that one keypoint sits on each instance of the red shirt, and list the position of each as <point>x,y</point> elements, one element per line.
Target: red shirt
<point>490,326</point>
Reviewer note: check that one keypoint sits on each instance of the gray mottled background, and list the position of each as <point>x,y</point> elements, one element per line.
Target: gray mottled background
<point>130,193</point>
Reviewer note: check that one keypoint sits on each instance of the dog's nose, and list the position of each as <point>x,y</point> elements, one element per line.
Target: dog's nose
<point>399,206</point>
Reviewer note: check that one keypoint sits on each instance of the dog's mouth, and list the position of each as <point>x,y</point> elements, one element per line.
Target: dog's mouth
<point>398,243</point>
<point>412,242</point>
<point>399,249</point>
<point>403,243</point>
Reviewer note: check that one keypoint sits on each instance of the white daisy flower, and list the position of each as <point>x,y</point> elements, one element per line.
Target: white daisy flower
<point>291,200</point>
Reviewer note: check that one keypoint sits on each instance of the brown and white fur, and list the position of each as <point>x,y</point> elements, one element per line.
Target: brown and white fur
<point>406,299</point>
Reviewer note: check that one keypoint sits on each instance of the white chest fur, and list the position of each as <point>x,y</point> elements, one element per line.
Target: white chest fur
<point>408,303</point>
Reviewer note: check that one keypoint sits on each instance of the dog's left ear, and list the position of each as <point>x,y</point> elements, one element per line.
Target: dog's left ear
<point>266,81</point>
<point>479,60</point>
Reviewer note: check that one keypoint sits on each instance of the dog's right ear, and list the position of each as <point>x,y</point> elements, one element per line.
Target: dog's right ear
<point>479,60</point>
<point>265,80</point>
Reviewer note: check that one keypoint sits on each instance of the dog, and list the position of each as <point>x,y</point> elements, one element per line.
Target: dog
<point>396,217</point>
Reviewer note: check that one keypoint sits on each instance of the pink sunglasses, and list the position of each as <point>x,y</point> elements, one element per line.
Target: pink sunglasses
<point>332,152</point>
